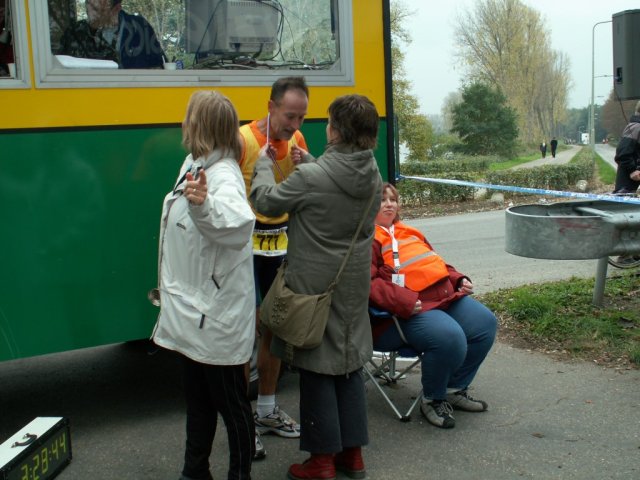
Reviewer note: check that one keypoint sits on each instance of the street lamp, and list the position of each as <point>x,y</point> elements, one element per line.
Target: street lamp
<point>592,128</point>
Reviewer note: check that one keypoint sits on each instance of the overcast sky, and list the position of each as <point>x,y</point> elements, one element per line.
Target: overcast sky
<point>431,65</point>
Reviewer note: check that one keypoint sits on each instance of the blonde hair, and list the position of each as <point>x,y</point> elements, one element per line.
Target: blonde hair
<point>211,122</point>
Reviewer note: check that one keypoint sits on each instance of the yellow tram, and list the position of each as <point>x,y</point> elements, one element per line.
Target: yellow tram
<point>89,146</point>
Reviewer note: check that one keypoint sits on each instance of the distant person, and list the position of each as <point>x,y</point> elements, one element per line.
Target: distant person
<point>554,146</point>
<point>628,156</point>
<point>109,33</point>
<point>543,149</point>
<point>207,298</point>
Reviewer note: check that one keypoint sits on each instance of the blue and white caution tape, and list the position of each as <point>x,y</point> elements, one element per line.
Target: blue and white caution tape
<point>535,191</point>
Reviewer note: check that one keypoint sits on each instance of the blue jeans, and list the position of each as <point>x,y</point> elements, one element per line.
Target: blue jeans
<point>454,343</point>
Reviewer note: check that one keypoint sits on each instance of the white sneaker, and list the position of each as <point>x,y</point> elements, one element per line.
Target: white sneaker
<point>277,422</point>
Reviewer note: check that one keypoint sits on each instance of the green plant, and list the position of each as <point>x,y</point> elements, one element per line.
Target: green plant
<point>562,314</point>
<point>606,172</point>
<point>507,164</point>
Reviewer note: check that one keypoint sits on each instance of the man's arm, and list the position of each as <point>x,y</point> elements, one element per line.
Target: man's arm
<point>628,150</point>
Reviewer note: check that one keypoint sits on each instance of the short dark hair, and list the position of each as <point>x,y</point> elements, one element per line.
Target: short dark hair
<point>284,84</point>
<point>356,119</point>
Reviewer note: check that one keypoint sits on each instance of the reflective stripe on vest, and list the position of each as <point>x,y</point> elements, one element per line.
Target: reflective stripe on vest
<point>420,265</point>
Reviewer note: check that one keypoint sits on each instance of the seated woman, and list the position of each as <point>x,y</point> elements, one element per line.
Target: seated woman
<point>439,319</point>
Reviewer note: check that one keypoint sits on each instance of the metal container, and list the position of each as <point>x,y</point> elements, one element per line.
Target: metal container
<point>575,230</point>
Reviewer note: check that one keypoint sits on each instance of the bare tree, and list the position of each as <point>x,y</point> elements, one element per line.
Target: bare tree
<point>505,43</point>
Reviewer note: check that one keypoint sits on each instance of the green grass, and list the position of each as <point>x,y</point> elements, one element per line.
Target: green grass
<point>606,172</point>
<point>494,167</point>
<point>561,314</point>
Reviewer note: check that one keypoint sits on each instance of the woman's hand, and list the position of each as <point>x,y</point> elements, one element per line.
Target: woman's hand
<point>635,176</point>
<point>417,308</point>
<point>196,190</point>
<point>297,154</point>
<point>466,286</point>
<point>267,151</point>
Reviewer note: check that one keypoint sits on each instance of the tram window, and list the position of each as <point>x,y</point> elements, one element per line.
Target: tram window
<point>6,44</point>
<point>13,64</point>
<point>222,41</point>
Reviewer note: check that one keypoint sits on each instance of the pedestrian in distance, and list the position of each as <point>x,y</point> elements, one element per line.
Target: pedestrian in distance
<point>554,146</point>
<point>207,298</point>
<point>543,149</point>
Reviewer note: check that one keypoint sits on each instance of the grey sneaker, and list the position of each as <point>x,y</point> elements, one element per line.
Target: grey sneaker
<point>438,413</point>
<point>260,451</point>
<point>277,422</point>
<point>463,401</point>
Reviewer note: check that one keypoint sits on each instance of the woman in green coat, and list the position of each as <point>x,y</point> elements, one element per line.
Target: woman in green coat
<point>326,199</point>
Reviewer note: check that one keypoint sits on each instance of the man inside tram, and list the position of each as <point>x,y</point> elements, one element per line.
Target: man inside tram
<point>6,44</point>
<point>110,33</point>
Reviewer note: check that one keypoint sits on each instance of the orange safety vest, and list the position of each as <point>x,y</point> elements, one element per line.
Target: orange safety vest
<point>421,266</point>
<point>254,140</point>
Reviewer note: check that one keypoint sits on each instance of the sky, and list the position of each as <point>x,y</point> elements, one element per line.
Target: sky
<point>431,65</point>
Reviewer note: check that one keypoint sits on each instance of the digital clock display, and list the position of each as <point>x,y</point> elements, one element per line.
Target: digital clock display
<point>43,458</point>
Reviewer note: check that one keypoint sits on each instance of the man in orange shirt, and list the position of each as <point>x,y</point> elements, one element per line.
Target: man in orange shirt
<point>280,128</point>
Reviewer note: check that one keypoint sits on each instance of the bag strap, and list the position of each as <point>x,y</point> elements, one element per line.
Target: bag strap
<point>333,284</point>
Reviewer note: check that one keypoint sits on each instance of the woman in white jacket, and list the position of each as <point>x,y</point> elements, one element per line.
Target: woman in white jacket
<point>206,285</point>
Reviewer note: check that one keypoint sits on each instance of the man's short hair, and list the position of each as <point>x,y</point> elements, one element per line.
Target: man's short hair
<point>356,119</point>
<point>284,84</point>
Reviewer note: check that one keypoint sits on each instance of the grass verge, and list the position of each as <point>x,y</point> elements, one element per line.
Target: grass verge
<point>559,318</point>
<point>497,166</point>
<point>606,172</point>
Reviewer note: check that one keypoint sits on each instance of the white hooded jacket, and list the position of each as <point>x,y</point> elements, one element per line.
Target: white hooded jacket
<point>207,291</point>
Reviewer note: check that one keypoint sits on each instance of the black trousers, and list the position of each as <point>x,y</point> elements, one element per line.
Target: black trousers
<point>209,390</point>
<point>333,412</point>
<point>623,183</point>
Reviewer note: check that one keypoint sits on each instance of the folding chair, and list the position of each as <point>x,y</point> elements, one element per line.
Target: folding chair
<point>382,368</point>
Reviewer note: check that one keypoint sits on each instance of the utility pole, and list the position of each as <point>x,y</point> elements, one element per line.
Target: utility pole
<point>592,127</point>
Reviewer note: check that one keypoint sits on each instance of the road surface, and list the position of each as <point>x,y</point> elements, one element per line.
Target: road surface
<point>546,419</point>
<point>474,244</point>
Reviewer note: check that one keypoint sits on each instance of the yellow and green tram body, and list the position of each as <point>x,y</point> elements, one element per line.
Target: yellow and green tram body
<point>83,171</point>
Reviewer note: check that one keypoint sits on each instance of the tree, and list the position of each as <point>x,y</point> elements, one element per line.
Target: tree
<point>446,112</point>
<point>504,43</point>
<point>414,129</point>
<point>615,114</point>
<point>483,120</point>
